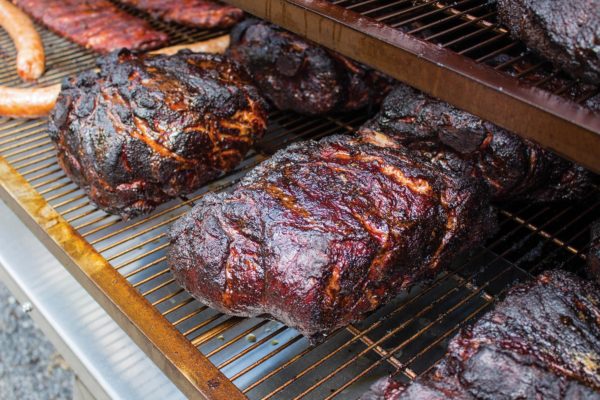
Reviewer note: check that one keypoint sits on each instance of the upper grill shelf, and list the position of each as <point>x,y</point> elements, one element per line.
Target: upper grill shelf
<point>456,51</point>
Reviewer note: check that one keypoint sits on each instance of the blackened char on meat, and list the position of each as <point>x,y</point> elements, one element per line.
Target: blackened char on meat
<point>541,342</point>
<point>324,232</point>
<point>565,32</point>
<point>593,255</point>
<point>204,14</point>
<point>513,167</point>
<point>98,25</point>
<point>299,75</point>
<point>146,128</point>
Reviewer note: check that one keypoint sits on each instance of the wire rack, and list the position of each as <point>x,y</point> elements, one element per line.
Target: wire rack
<point>470,28</point>
<point>264,359</point>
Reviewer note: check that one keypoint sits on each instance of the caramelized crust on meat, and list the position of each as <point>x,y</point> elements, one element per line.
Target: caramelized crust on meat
<point>324,232</point>
<point>299,75</point>
<point>146,128</point>
<point>541,342</point>
<point>204,14</point>
<point>98,25</point>
<point>513,167</point>
<point>565,32</point>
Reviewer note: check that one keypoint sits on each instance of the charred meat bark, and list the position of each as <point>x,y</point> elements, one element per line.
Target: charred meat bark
<point>324,232</point>
<point>593,256</point>
<point>299,75</point>
<point>146,128</point>
<point>565,32</point>
<point>541,342</point>
<point>98,25</point>
<point>204,14</point>
<point>513,167</point>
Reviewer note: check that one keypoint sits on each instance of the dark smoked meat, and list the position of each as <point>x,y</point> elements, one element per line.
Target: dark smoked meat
<point>296,74</point>
<point>147,128</point>
<point>565,32</point>
<point>513,167</point>
<point>593,256</point>
<point>98,25</point>
<point>541,342</point>
<point>205,14</point>
<point>324,232</point>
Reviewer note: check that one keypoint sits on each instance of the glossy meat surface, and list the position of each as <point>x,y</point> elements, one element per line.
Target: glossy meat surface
<point>204,14</point>
<point>513,167</point>
<point>147,128</point>
<point>324,232</point>
<point>541,342</point>
<point>565,32</point>
<point>299,75</point>
<point>98,25</point>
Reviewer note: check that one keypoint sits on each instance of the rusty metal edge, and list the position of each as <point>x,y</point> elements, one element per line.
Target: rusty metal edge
<point>189,369</point>
<point>560,125</point>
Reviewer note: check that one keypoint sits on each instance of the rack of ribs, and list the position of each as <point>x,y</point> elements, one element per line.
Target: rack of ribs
<point>205,14</point>
<point>98,25</point>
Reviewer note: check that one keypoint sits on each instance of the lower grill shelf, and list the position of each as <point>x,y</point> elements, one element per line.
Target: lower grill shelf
<point>122,264</point>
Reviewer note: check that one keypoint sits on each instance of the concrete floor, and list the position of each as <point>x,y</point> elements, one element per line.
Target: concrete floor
<point>30,367</point>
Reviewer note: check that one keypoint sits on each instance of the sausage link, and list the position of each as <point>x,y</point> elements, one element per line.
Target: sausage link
<point>30,50</point>
<point>27,102</point>
<point>38,102</point>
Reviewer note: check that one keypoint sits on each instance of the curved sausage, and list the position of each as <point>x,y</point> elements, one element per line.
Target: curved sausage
<point>37,102</point>
<point>30,50</point>
<point>27,102</point>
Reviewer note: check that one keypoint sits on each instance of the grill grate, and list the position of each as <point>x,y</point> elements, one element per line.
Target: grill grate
<point>262,358</point>
<point>470,28</point>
